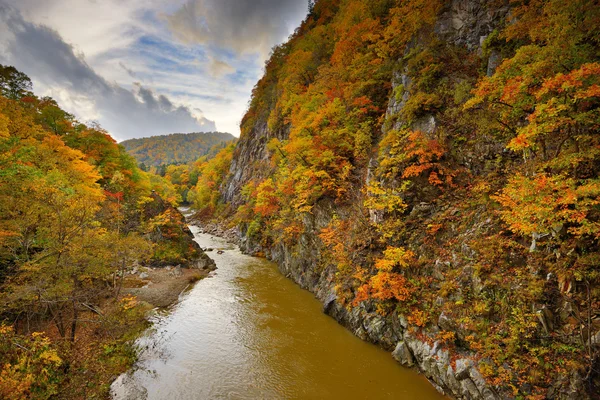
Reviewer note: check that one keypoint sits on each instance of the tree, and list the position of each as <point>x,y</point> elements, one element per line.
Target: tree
<point>311,6</point>
<point>52,117</point>
<point>14,84</point>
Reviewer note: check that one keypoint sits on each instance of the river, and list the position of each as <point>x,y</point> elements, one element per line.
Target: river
<point>247,332</point>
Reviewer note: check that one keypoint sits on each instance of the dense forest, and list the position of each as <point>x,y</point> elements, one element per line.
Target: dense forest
<point>183,178</point>
<point>76,215</point>
<point>197,183</point>
<point>430,169</point>
<point>176,148</point>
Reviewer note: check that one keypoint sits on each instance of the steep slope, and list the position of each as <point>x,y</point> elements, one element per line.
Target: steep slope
<point>176,148</point>
<point>76,216</point>
<point>430,171</point>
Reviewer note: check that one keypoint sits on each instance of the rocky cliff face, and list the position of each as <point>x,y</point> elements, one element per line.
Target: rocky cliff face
<point>456,371</point>
<point>251,155</point>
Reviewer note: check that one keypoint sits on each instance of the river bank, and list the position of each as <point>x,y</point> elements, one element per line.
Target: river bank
<point>162,287</point>
<point>248,332</point>
<point>455,376</point>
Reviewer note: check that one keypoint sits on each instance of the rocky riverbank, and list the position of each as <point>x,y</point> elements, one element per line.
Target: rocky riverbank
<point>161,287</point>
<point>232,235</point>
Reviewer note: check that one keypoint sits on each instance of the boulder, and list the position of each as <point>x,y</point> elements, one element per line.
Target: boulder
<point>403,355</point>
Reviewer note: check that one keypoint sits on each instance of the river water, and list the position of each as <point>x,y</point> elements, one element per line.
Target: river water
<point>247,332</point>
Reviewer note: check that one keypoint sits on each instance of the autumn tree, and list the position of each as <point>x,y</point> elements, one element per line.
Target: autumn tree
<point>74,209</point>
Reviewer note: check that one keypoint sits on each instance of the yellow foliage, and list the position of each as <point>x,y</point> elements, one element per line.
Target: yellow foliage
<point>394,257</point>
<point>30,365</point>
<point>545,203</point>
<point>384,199</point>
<point>128,302</point>
<point>4,121</point>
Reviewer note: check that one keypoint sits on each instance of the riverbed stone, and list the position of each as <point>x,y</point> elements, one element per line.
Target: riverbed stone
<point>204,262</point>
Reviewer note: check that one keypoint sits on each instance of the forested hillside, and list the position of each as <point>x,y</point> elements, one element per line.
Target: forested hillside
<point>430,169</point>
<point>208,170</point>
<point>76,215</point>
<point>176,148</point>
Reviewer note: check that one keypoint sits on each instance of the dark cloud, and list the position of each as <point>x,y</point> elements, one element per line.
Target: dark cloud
<point>42,53</point>
<point>240,25</point>
<point>129,71</point>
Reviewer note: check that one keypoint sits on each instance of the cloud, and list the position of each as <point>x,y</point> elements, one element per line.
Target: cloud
<point>244,26</point>
<point>92,25</point>
<point>56,68</point>
<point>219,68</point>
<point>129,71</point>
<point>129,41</point>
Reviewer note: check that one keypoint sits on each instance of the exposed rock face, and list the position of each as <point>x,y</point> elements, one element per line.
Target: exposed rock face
<point>204,262</point>
<point>250,161</point>
<point>468,22</point>
<point>250,152</point>
<point>464,23</point>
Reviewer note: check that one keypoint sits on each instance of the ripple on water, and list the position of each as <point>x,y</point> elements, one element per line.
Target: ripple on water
<point>247,332</point>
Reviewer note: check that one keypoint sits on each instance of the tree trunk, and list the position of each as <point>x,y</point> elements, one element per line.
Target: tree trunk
<point>74,322</point>
<point>121,278</point>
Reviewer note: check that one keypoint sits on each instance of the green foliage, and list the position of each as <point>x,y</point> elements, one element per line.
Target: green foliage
<point>177,148</point>
<point>172,245</point>
<point>13,83</point>
<point>74,213</point>
<point>205,196</point>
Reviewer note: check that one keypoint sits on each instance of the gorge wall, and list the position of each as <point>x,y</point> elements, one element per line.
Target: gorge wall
<point>410,164</point>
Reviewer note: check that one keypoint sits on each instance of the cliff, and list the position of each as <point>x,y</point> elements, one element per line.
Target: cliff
<point>418,166</point>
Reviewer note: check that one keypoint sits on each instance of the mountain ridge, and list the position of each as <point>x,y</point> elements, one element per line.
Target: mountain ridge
<point>174,148</point>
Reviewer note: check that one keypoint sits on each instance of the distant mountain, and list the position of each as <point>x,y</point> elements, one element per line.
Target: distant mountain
<point>176,148</point>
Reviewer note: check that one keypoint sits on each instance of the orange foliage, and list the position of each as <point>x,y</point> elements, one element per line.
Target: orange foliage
<point>266,199</point>
<point>427,153</point>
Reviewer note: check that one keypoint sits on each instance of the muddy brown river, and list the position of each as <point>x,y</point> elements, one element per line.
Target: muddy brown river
<point>247,332</point>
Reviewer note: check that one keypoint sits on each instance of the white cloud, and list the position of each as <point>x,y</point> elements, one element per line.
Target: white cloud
<point>115,44</point>
<point>54,66</point>
<point>91,25</point>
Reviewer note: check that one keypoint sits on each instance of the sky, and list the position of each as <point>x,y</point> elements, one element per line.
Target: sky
<point>147,67</point>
